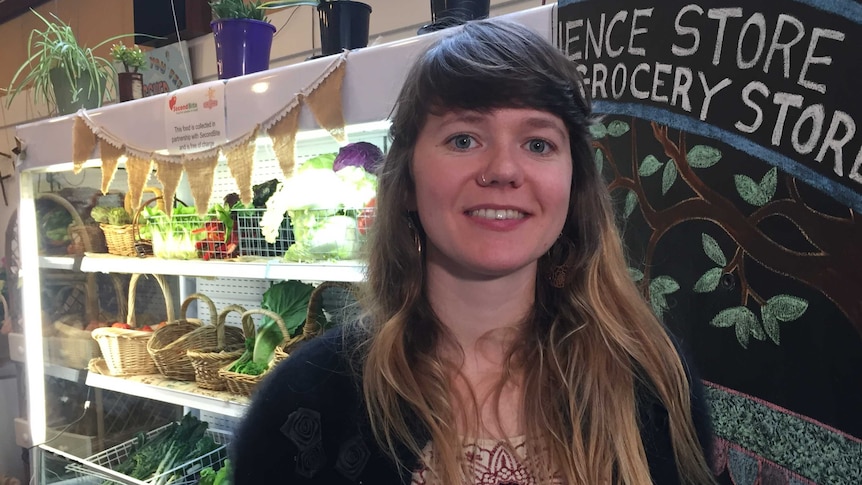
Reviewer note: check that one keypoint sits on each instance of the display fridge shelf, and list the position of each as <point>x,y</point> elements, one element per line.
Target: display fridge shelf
<point>174,392</point>
<point>348,271</point>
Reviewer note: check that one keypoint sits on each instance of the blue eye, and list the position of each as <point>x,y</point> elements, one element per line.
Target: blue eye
<point>461,142</point>
<point>538,146</point>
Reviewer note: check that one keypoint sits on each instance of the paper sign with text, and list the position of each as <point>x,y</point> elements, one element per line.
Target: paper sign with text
<point>195,118</point>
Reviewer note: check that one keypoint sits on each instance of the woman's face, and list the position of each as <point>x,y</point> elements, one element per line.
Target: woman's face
<point>492,189</point>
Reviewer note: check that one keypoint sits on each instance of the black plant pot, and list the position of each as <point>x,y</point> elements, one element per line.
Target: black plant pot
<point>446,13</point>
<point>344,24</point>
<point>130,85</point>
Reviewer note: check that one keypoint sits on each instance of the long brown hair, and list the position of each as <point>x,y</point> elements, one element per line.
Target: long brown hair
<point>585,345</point>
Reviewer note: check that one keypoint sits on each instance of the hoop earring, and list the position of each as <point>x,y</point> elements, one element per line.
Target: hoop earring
<point>560,258</point>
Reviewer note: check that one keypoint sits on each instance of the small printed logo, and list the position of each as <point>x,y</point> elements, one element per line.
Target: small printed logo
<point>211,102</point>
<point>181,108</point>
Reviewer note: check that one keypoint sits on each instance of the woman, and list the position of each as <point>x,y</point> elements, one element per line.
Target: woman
<point>503,340</point>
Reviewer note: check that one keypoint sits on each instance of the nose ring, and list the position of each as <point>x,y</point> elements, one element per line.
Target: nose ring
<point>484,182</point>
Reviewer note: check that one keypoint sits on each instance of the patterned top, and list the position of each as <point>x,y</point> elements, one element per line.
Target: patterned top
<point>493,462</point>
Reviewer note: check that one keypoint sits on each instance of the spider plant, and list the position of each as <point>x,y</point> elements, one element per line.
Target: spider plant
<point>56,48</point>
<point>237,9</point>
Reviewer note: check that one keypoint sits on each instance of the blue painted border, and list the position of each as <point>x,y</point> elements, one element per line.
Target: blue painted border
<point>839,192</point>
<point>848,9</point>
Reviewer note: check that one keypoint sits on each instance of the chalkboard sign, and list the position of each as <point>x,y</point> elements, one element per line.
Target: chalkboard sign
<point>731,139</point>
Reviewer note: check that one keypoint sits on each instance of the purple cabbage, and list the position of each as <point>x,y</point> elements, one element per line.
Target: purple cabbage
<point>359,154</point>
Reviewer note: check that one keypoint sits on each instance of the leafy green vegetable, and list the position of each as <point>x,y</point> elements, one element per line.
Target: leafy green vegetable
<point>289,299</point>
<point>100,214</point>
<point>220,477</point>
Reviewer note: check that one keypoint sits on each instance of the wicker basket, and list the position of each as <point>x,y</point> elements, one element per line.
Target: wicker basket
<point>169,344</point>
<point>230,345</point>
<point>312,327</point>
<point>82,237</point>
<point>125,351</point>
<point>7,318</point>
<point>125,240</point>
<point>244,384</point>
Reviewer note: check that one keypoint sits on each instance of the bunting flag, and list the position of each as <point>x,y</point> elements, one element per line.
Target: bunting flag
<point>200,176</point>
<point>139,171</point>
<point>169,174</point>
<point>323,97</point>
<point>321,101</point>
<point>240,161</point>
<point>110,158</point>
<point>283,135</point>
<point>83,144</point>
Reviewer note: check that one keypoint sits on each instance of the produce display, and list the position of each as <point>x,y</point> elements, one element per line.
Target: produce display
<point>220,477</point>
<point>325,200</point>
<point>178,444</point>
<point>288,299</point>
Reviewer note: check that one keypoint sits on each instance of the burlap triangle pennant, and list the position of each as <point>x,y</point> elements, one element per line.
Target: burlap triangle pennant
<point>138,170</point>
<point>169,174</point>
<point>325,103</point>
<point>240,161</point>
<point>283,135</point>
<point>83,144</point>
<point>110,158</point>
<point>200,176</point>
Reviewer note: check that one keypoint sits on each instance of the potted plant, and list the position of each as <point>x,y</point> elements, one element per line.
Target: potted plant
<point>446,13</point>
<point>61,71</point>
<point>344,24</point>
<point>130,82</point>
<point>243,37</point>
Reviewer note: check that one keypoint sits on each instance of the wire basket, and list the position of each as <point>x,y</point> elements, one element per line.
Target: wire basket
<point>102,465</point>
<point>306,235</point>
<point>190,236</point>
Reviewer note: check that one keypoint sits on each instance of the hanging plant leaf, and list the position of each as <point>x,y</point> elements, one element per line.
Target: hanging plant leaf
<point>635,274</point>
<point>770,324</point>
<point>600,160</point>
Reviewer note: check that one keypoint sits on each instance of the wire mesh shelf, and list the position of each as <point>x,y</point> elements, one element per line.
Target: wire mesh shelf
<point>103,465</point>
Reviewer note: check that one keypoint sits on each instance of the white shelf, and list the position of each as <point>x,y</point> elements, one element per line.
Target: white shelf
<point>174,392</point>
<point>349,271</point>
<point>66,373</point>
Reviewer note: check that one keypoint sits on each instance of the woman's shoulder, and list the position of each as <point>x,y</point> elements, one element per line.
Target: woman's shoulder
<point>304,418</point>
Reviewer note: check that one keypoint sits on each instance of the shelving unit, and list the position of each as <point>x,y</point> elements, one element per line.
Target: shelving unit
<point>349,271</point>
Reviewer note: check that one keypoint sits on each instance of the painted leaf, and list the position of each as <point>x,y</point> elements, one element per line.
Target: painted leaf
<point>600,160</point>
<point>768,183</point>
<point>770,324</point>
<point>708,281</point>
<point>713,250</point>
<point>702,156</point>
<point>757,330</point>
<point>668,177</point>
<point>631,203</point>
<point>740,317</point>
<point>618,128</point>
<point>663,285</point>
<point>649,166</point>
<point>598,130</point>
<point>742,334</point>
<point>658,303</point>
<point>636,274</point>
<point>787,308</point>
<point>750,190</point>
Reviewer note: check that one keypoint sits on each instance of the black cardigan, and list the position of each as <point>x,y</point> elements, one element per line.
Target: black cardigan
<point>307,424</point>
